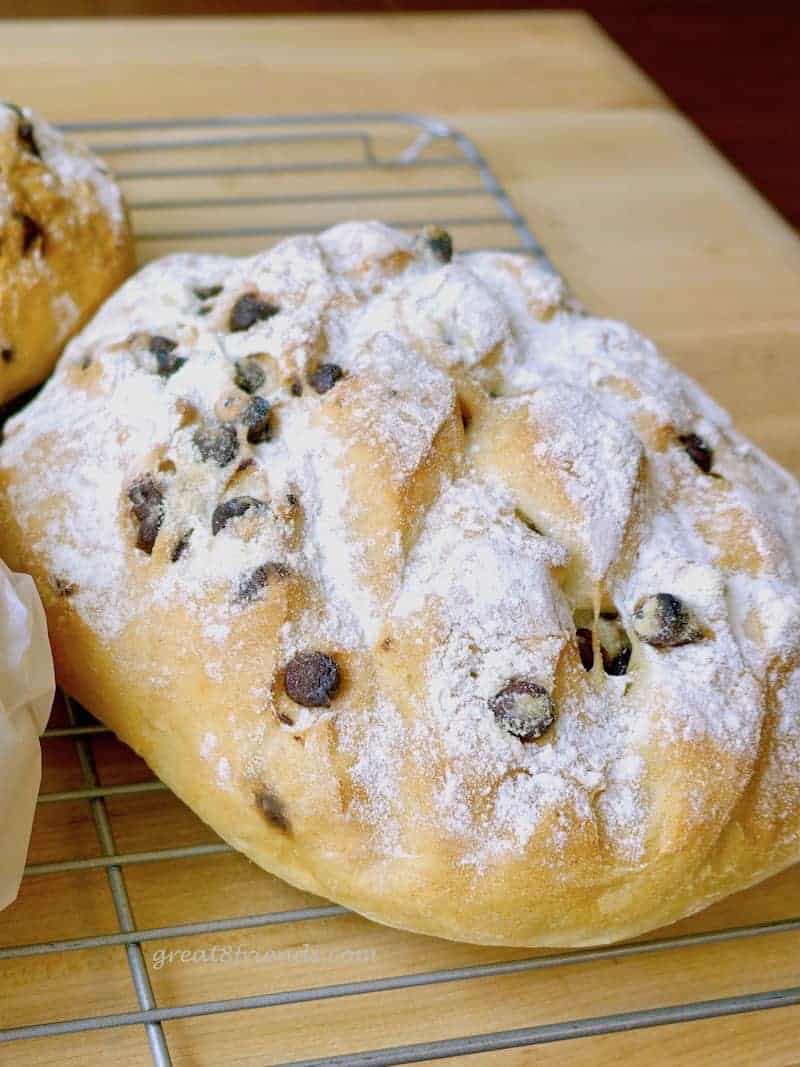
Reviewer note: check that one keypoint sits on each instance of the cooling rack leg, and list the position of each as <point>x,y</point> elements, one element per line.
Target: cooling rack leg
<point>116,882</point>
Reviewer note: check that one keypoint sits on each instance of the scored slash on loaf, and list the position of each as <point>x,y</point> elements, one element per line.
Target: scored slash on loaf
<point>430,592</point>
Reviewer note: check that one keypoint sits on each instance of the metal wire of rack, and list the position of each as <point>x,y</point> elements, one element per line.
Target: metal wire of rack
<point>259,178</point>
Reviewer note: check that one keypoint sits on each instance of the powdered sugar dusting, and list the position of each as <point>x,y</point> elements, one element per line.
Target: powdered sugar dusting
<point>465,589</point>
<point>69,165</point>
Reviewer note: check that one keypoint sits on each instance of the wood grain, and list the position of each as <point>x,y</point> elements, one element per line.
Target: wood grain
<point>697,55</point>
<point>649,224</point>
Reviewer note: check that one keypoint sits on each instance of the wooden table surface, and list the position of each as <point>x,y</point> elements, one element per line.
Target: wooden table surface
<point>735,74</point>
<point>649,224</point>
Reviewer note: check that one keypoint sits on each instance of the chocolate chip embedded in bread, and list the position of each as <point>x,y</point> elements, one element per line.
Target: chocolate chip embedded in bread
<point>615,645</point>
<point>325,377</point>
<point>252,584</point>
<point>232,509</point>
<point>7,355</point>
<point>524,709</point>
<point>312,679</point>
<point>207,292</point>
<point>24,127</point>
<point>249,375</point>
<point>164,350</point>
<point>697,449</point>
<point>147,504</point>
<point>256,418</point>
<point>26,137</point>
<point>181,546</point>
<point>31,232</point>
<point>664,621</point>
<point>217,443</point>
<point>248,310</point>
<point>65,588</point>
<point>147,534</point>
<point>585,648</point>
<point>273,810</point>
<point>438,242</point>
<point>145,495</point>
<point>526,520</point>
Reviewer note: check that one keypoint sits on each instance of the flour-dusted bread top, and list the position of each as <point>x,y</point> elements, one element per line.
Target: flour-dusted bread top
<point>430,591</point>
<point>65,244</point>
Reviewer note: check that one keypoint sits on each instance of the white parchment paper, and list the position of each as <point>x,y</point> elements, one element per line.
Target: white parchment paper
<point>27,688</point>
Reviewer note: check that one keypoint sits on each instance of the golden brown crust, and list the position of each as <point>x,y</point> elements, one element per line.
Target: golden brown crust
<point>491,471</point>
<point>65,244</point>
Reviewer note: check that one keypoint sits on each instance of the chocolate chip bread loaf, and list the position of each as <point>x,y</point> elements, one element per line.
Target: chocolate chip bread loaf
<point>429,592</point>
<point>64,244</point>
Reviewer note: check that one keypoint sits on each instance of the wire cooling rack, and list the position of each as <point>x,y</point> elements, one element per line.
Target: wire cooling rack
<point>235,184</point>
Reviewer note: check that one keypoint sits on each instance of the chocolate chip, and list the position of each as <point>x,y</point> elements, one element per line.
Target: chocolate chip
<point>698,451</point>
<point>231,509</point>
<point>7,354</point>
<point>181,546</point>
<point>249,375</point>
<point>664,621</point>
<point>164,351</point>
<point>147,504</point>
<point>31,232</point>
<point>145,495</point>
<point>256,418</point>
<point>147,532</point>
<point>325,377</point>
<point>248,310</point>
<point>524,709</point>
<point>273,810</point>
<point>311,679</point>
<point>292,500</point>
<point>585,649</point>
<point>464,414</point>
<point>526,520</point>
<point>64,588</point>
<point>296,388</point>
<point>161,346</point>
<point>250,585</point>
<point>218,443</point>
<point>439,242</point>
<point>207,292</point>
<point>27,139</point>
<point>615,645</point>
